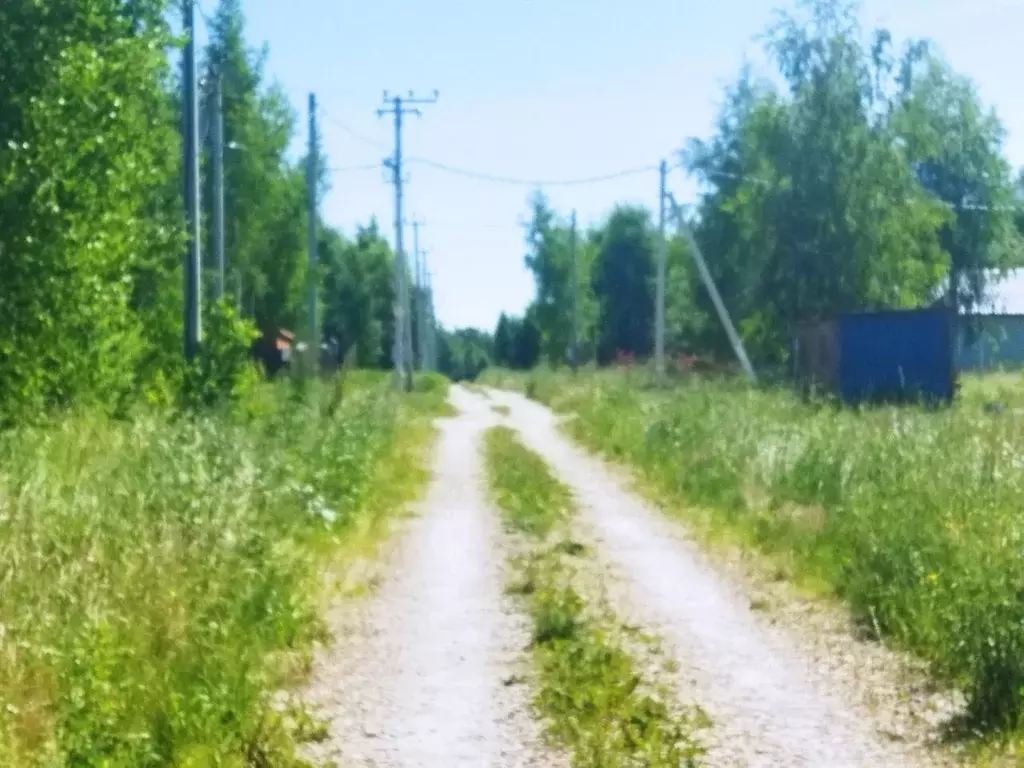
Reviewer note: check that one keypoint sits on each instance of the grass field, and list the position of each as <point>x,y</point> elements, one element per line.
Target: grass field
<point>913,517</point>
<point>589,691</point>
<point>159,577</point>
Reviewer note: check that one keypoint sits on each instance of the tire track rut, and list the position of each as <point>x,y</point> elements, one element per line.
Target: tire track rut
<point>419,672</point>
<point>771,704</point>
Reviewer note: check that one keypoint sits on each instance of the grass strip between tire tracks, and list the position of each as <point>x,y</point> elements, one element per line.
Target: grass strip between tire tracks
<point>589,691</point>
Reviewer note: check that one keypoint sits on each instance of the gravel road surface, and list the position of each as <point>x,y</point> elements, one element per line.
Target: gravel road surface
<point>423,672</point>
<point>771,703</point>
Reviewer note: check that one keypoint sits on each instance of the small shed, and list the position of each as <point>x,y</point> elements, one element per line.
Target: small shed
<point>888,356</point>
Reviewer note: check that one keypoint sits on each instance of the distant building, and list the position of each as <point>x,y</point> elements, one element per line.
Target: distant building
<point>990,336</point>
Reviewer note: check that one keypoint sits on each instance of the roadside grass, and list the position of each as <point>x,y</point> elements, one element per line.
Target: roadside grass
<point>160,577</point>
<point>911,516</point>
<point>589,692</point>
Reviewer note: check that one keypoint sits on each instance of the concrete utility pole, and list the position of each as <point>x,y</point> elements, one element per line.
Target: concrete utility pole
<point>193,255</point>
<point>402,350</point>
<point>659,305</point>
<point>574,344</point>
<point>431,322</point>
<point>312,173</point>
<point>709,284</point>
<point>420,296</point>
<point>218,183</point>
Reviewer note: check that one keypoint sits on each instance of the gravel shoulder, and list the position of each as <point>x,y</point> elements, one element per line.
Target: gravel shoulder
<point>789,686</point>
<point>420,671</point>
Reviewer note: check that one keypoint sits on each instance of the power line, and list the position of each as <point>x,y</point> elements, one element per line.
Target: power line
<point>354,168</point>
<point>531,182</point>
<point>352,132</point>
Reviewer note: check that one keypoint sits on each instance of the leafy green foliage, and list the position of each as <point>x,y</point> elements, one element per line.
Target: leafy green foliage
<point>589,690</point>
<point>516,342</point>
<point>624,284</point>
<point>224,370</point>
<point>265,194</point>
<point>464,353</point>
<point>83,173</point>
<point>358,295</point>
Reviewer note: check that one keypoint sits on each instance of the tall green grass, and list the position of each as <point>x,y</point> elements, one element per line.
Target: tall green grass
<point>158,577</point>
<point>914,517</point>
<point>590,691</point>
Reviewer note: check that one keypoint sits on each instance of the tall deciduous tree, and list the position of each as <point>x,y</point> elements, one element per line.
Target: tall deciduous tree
<point>814,207</point>
<point>265,194</point>
<point>84,172</point>
<point>357,294</point>
<point>956,148</point>
<point>623,281</point>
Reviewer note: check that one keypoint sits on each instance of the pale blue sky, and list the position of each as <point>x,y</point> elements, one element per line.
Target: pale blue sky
<point>552,89</point>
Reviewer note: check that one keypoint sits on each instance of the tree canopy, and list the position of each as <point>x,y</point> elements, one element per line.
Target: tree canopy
<point>866,176</point>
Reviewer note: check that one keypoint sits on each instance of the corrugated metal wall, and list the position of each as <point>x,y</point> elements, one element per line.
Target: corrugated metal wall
<point>895,356</point>
<point>904,355</point>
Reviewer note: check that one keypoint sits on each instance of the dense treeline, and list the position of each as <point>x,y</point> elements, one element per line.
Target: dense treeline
<point>91,214</point>
<point>871,177</point>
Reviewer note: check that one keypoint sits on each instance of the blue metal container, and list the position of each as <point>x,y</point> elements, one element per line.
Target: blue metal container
<point>902,355</point>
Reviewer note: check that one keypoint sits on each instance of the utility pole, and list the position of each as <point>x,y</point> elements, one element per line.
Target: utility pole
<point>402,350</point>
<point>431,322</point>
<point>716,299</point>
<point>312,172</point>
<point>193,255</point>
<point>218,182</point>
<point>574,348</point>
<point>420,296</point>
<point>659,305</point>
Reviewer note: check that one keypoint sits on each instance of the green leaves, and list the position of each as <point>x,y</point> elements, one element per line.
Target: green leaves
<point>83,165</point>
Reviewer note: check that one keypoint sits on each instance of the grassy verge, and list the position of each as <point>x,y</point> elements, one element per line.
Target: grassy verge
<point>159,578</point>
<point>910,516</point>
<point>589,691</point>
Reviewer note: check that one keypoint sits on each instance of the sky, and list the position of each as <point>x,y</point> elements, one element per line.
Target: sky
<point>550,90</point>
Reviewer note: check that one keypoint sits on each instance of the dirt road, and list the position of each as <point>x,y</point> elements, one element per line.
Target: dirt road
<point>770,702</point>
<point>418,675</point>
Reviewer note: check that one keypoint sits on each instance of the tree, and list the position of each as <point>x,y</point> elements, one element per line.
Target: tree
<point>83,202</point>
<point>358,293</point>
<point>955,148</point>
<point>549,259</point>
<point>623,283</point>
<point>265,195</point>
<point>813,200</point>
<point>526,344</point>
<point>464,353</point>
<point>504,341</point>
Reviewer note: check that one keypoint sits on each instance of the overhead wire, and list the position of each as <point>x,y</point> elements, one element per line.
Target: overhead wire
<point>351,131</point>
<point>496,179</point>
<point>489,177</point>
<point>354,168</point>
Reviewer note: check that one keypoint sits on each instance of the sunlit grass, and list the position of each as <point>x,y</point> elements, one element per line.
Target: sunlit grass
<point>912,516</point>
<point>159,577</point>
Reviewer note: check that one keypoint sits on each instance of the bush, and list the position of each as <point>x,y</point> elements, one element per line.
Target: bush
<point>224,370</point>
